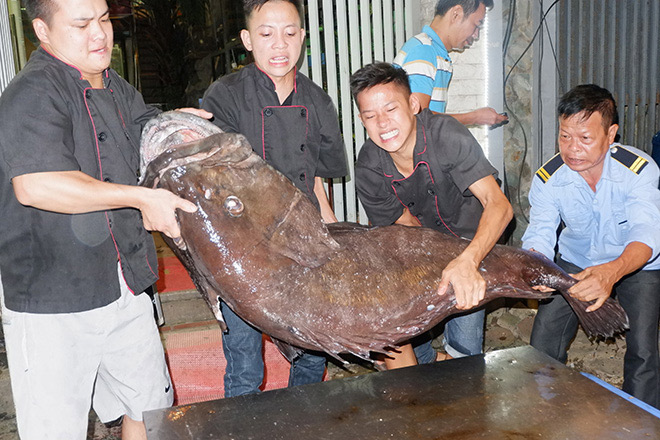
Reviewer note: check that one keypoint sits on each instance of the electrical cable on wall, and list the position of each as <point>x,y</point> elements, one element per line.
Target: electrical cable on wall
<point>507,37</point>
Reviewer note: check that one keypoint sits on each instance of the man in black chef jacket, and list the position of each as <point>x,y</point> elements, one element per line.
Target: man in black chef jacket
<point>292,124</point>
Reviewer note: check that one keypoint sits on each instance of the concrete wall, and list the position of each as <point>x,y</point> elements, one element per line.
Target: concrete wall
<point>518,133</point>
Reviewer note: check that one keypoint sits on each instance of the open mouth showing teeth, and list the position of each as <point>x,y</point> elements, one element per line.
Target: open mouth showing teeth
<point>389,134</point>
<point>279,60</point>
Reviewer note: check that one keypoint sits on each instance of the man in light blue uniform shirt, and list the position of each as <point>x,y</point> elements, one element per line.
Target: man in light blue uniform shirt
<point>607,196</point>
<point>425,57</point>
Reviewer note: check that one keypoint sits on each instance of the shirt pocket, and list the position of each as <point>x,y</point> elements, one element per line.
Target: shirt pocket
<point>617,231</point>
<point>578,218</point>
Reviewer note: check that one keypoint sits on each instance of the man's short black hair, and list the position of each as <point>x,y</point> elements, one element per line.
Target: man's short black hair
<point>589,98</point>
<point>469,6</point>
<point>43,9</point>
<point>378,73</point>
<point>250,6</point>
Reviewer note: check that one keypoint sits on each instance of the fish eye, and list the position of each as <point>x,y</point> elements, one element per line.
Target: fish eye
<point>234,206</point>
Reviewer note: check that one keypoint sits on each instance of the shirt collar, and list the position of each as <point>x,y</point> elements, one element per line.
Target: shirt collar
<point>70,68</point>
<point>566,176</point>
<point>265,80</point>
<point>611,172</point>
<point>428,30</point>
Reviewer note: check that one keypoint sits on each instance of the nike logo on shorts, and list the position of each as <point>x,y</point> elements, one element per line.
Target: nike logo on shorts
<point>167,389</point>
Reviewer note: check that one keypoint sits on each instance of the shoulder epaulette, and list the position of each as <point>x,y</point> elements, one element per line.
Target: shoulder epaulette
<point>548,169</point>
<point>634,162</point>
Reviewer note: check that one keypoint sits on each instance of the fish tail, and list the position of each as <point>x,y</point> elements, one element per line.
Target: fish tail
<point>607,321</point>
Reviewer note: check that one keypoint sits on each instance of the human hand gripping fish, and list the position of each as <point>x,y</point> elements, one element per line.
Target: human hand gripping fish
<point>159,209</point>
<point>595,283</point>
<point>468,285</point>
<point>159,212</point>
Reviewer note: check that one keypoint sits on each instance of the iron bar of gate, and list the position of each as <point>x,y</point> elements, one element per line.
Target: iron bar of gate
<point>653,95</point>
<point>7,66</point>
<point>615,44</point>
<point>344,35</point>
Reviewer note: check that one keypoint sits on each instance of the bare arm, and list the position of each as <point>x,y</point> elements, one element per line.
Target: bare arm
<point>462,272</point>
<point>480,116</point>
<point>596,282</point>
<point>74,192</point>
<point>327,214</point>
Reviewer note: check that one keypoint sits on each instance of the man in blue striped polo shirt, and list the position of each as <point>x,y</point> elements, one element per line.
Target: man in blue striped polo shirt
<point>425,57</point>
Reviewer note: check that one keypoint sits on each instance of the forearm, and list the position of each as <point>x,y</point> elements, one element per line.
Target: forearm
<point>327,213</point>
<point>464,118</point>
<point>496,216</point>
<point>481,116</point>
<point>74,192</point>
<point>634,257</point>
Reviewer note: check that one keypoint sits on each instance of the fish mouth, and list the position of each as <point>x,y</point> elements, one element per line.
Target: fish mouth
<point>169,130</point>
<point>217,150</point>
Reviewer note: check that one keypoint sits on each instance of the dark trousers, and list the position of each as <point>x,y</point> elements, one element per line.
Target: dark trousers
<point>242,346</point>
<point>555,326</point>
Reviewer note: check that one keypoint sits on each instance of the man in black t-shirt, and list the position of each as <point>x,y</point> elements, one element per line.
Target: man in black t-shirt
<point>427,170</point>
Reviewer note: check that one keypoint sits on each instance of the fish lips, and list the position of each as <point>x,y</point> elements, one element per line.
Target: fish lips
<point>217,149</point>
<point>168,131</point>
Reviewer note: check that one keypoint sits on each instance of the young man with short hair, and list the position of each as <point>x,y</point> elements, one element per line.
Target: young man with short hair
<point>292,124</point>
<point>425,57</point>
<point>423,169</point>
<point>75,251</point>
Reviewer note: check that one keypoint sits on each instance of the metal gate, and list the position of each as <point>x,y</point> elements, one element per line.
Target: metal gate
<point>614,43</point>
<point>344,35</point>
<point>7,68</point>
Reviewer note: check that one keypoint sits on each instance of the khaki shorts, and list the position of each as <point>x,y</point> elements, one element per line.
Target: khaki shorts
<point>110,358</point>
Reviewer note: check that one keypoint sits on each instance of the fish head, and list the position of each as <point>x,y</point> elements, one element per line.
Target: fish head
<point>246,208</point>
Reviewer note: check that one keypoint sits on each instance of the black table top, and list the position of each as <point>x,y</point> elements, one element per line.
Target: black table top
<point>517,393</point>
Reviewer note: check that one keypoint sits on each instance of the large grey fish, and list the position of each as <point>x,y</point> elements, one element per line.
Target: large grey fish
<point>259,244</point>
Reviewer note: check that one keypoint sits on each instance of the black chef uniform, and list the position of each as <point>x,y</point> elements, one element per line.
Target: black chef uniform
<point>300,138</point>
<point>447,160</point>
<point>62,124</point>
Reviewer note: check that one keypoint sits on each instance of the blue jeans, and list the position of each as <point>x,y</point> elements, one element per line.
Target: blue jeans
<point>464,336</point>
<point>242,346</point>
<point>555,326</point>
